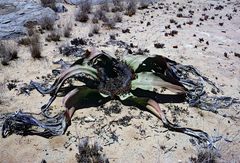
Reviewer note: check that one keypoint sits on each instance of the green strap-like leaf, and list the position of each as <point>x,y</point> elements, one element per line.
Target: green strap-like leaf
<point>149,81</point>
<point>82,97</point>
<point>134,60</point>
<point>71,72</point>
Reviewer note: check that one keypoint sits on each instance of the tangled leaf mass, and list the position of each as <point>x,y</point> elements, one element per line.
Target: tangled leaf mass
<point>130,81</point>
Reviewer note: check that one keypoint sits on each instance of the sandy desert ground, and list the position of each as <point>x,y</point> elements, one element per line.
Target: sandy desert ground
<point>211,44</point>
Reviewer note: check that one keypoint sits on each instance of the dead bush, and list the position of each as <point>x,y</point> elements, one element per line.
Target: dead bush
<point>85,6</point>
<point>35,47</point>
<point>24,41</point>
<point>90,152</point>
<point>30,31</point>
<point>67,30</point>
<point>110,24</point>
<point>81,16</point>
<point>131,8</point>
<point>104,5</point>
<point>143,5</point>
<point>118,17</point>
<point>53,36</point>
<point>95,29</point>
<point>101,15</point>
<point>206,155</point>
<point>118,6</point>
<point>47,23</point>
<point>8,52</point>
<point>95,19</point>
<point>49,3</point>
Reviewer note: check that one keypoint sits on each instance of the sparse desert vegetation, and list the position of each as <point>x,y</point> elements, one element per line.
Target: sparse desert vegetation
<point>143,4</point>
<point>131,8</point>
<point>206,155</point>
<point>25,41</point>
<point>67,29</point>
<point>8,52</point>
<point>81,15</point>
<point>118,6</point>
<point>104,5</point>
<point>118,17</point>
<point>88,152</point>
<point>49,3</point>
<point>53,36</point>
<point>35,47</point>
<point>47,23</point>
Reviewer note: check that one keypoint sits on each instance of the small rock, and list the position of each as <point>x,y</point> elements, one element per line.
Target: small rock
<point>159,45</point>
<point>126,30</point>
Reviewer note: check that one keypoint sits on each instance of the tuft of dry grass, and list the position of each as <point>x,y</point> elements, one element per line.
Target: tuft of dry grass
<point>53,36</point>
<point>143,4</point>
<point>24,41</point>
<point>35,47</point>
<point>206,155</point>
<point>118,6</point>
<point>104,6</point>
<point>49,3</point>
<point>67,30</point>
<point>118,17</point>
<point>88,152</point>
<point>110,24</point>
<point>85,6</point>
<point>131,8</point>
<point>8,52</point>
<point>101,15</point>
<point>95,29</point>
<point>81,16</point>
<point>95,19</point>
<point>47,23</point>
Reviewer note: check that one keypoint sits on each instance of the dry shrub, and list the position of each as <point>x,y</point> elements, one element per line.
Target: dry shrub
<point>49,3</point>
<point>81,16</point>
<point>95,19</point>
<point>53,36</point>
<point>131,8</point>
<point>101,15</point>
<point>110,24</point>
<point>104,5</point>
<point>118,6</point>
<point>90,152</point>
<point>95,29</point>
<point>67,30</point>
<point>8,52</point>
<point>143,4</point>
<point>206,155</point>
<point>30,31</point>
<point>35,47</point>
<point>47,23</point>
<point>24,41</point>
<point>85,6</point>
<point>118,17</point>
